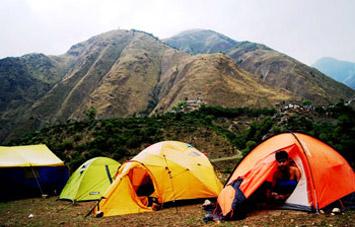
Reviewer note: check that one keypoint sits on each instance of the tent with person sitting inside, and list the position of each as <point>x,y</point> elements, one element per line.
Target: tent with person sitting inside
<point>90,180</point>
<point>322,177</point>
<point>163,172</point>
<point>30,170</point>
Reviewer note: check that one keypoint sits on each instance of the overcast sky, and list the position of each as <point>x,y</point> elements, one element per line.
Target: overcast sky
<point>304,29</point>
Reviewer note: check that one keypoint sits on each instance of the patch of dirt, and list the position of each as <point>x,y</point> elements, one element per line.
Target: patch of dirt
<point>50,212</point>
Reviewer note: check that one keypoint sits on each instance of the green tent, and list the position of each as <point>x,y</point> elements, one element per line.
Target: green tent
<point>90,180</point>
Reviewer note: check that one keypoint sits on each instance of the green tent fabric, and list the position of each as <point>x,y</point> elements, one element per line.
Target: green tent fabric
<point>90,180</point>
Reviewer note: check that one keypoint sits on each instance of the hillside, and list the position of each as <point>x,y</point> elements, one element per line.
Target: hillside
<point>218,132</point>
<point>282,71</point>
<point>199,41</point>
<point>23,81</point>
<point>216,80</point>
<point>121,73</point>
<point>341,71</point>
<point>272,67</point>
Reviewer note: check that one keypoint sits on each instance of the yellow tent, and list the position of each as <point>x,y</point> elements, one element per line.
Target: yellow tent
<point>175,171</point>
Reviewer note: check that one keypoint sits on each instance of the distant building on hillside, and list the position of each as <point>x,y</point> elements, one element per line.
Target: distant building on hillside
<point>193,104</point>
<point>188,105</point>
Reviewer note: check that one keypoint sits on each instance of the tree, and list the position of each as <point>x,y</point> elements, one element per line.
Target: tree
<point>90,114</point>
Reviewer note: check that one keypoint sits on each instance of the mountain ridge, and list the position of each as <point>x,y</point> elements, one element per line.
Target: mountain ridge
<point>126,72</point>
<point>274,68</point>
<point>341,71</point>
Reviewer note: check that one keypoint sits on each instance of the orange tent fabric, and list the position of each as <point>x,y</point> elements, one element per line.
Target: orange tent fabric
<point>325,174</point>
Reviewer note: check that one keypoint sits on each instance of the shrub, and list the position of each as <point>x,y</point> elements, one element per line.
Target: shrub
<point>248,146</point>
<point>90,114</point>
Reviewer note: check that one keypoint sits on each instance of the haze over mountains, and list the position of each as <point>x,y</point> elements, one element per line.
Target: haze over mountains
<point>342,71</point>
<point>126,72</point>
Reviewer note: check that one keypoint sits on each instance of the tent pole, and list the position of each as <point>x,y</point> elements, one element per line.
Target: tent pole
<point>38,184</point>
<point>108,174</point>
<point>172,185</point>
<point>92,209</point>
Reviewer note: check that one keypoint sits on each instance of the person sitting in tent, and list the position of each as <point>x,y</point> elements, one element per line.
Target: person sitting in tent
<point>285,178</point>
<point>283,183</point>
<point>145,191</point>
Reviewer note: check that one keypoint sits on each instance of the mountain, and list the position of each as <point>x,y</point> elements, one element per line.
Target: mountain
<point>201,41</point>
<point>342,71</point>
<point>23,81</point>
<point>216,80</point>
<point>273,68</point>
<point>127,72</point>
<point>121,73</point>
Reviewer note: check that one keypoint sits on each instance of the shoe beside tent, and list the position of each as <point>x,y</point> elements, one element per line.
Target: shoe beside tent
<point>90,180</point>
<point>30,170</point>
<point>325,175</point>
<point>166,171</point>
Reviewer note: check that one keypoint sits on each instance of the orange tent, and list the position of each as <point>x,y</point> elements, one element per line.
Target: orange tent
<point>325,175</point>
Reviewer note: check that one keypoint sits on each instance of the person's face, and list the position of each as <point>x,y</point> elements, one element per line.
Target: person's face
<point>283,164</point>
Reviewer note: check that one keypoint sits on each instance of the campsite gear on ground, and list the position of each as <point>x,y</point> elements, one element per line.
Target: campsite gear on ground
<point>336,210</point>
<point>176,170</point>
<point>90,180</point>
<point>30,171</point>
<point>208,207</point>
<point>325,175</point>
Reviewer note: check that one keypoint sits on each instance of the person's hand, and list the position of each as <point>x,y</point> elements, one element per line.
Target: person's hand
<point>282,197</point>
<point>277,196</point>
<point>274,195</point>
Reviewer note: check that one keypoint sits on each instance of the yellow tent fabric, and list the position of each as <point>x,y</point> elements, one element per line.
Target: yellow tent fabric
<point>28,156</point>
<point>178,171</point>
<point>120,198</point>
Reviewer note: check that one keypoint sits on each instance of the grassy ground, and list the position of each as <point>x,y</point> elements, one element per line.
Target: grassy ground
<point>49,212</point>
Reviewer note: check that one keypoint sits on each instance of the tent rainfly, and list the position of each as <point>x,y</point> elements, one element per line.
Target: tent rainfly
<point>163,172</point>
<point>326,176</point>
<point>90,180</point>
<point>30,170</point>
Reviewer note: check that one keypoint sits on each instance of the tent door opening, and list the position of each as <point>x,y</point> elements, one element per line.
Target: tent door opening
<point>142,184</point>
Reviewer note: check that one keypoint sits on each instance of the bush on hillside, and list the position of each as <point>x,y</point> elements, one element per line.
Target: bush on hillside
<point>74,142</point>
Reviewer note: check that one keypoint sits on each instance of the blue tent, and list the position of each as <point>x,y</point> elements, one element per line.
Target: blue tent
<point>30,171</point>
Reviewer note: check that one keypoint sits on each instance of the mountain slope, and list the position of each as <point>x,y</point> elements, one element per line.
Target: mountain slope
<point>122,73</point>
<point>201,41</point>
<point>23,80</point>
<point>282,71</point>
<point>274,68</point>
<point>342,71</point>
<point>215,79</point>
<point>95,58</point>
<point>127,72</point>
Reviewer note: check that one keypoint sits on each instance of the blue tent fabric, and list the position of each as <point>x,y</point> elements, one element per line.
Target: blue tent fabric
<point>30,170</point>
<point>32,181</point>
